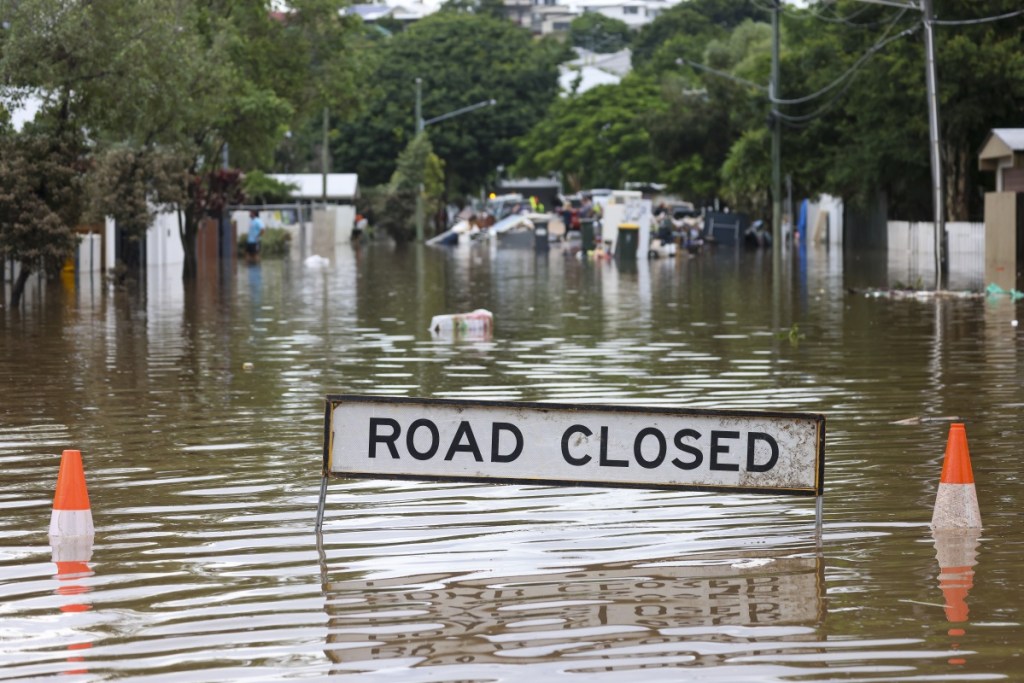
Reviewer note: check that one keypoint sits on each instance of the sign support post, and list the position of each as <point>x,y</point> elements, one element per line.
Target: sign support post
<point>322,504</point>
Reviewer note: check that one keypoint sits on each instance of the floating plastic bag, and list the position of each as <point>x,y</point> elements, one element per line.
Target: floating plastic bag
<point>993,290</point>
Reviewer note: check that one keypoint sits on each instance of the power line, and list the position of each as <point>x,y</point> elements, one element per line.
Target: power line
<point>856,65</point>
<point>803,118</point>
<point>723,74</point>
<point>809,13</point>
<point>971,22</point>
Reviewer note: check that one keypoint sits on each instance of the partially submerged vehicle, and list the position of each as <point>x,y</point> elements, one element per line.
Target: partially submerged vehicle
<point>528,230</point>
<point>463,231</point>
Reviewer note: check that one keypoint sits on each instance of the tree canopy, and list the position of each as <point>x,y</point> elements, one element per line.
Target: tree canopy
<point>462,59</point>
<point>166,91</point>
<point>144,102</point>
<point>600,138</point>
<point>599,33</point>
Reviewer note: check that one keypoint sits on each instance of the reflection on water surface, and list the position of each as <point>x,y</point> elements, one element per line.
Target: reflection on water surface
<point>199,412</point>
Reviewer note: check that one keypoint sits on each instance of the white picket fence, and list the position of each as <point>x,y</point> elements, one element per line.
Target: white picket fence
<point>911,256</point>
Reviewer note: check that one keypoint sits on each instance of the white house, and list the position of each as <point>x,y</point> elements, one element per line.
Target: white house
<point>333,223</point>
<point>634,13</point>
<point>591,69</point>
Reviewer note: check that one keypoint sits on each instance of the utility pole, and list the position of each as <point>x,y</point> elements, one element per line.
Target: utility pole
<point>934,135</point>
<point>419,105</point>
<point>323,160</point>
<point>773,94</point>
<point>931,79</point>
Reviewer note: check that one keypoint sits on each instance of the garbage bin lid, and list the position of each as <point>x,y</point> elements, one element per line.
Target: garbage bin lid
<point>629,226</point>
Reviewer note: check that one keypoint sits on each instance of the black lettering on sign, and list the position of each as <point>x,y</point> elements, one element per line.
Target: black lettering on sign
<point>605,460</point>
<point>638,451</point>
<point>410,439</point>
<point>698,457</point>
<point>496,430</point>
<point>773,445</point>
<point>569,458</point>
<point>470,446</point>
<point>720,449</point>
<point>387,439</point>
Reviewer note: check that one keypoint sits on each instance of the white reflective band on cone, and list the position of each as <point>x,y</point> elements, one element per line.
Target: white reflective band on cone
<point>956,507</point>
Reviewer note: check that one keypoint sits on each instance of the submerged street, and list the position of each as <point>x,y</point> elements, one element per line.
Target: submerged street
<point>200,417</point>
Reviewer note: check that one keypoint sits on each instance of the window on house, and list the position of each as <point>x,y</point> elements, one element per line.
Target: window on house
<point>630,10</point>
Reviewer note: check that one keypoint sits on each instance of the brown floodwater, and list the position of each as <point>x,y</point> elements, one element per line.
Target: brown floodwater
<point>199,413</point>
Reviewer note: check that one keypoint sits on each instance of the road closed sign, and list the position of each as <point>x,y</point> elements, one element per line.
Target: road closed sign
<point>577,445</point>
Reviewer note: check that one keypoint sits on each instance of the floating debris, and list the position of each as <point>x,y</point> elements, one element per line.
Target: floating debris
<point>995,290</point>
<point>916,294</point>
<point>477,324</point>
<point>925,420</point>
<point>793,334</point>
<point>316,262</point>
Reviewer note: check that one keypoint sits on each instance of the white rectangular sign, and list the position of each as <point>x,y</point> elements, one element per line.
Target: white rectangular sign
<point>579,445</point>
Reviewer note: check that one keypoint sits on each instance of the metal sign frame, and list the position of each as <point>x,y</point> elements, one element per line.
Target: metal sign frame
<point>551,412</point>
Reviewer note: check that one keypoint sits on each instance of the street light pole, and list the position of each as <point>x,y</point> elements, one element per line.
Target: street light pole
<point>324,159</point>
<point>419,190</point>
<point>420,126</point>
<point>777,236</point>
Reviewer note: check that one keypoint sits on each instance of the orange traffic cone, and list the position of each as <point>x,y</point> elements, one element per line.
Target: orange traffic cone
<point>956,502</point>
<point>71,514</point>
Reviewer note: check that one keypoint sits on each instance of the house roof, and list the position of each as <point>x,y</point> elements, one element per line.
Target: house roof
<point>589,77</point>
<point>1001,145</point>
<point>619,63</point>
<point>310,185</point>
<point>369,12</point>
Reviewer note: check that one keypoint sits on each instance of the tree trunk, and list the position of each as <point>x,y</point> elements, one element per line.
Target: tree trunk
<point>188,230</point>
<point>19,284</point>
<point>957,171</point>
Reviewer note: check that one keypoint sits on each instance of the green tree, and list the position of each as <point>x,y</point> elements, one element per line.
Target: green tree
<point>462,59</point>
<point>419,172</point>
<point>40,181</point>
<point>746,173</point>
<point>683,30</point>
<point>598,33</point>
<point>597,139</point>
<point>707,113</point>
<point>179,81</point>
<point>870,133</point>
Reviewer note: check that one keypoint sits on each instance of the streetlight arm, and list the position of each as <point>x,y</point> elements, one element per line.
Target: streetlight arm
<point>458,112</point>
<point>893,3</point>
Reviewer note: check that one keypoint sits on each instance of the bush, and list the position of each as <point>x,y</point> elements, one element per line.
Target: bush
<point>275,242</point>
<point>394,211</point>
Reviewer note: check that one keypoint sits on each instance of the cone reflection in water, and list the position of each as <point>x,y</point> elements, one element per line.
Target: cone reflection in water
<point>956,551</point>
<point>956,501</point>
<point>72,555</point>
<point>72,515</point>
